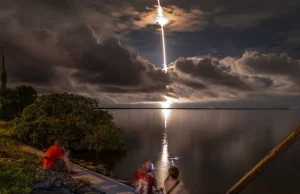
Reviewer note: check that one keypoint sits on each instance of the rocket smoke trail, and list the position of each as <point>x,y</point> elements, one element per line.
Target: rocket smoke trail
<point>163,161</point>
<point>162,20</point>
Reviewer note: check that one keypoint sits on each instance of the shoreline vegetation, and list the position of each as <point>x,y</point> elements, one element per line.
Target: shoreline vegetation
<point>75,119</point>
<point>21,173</point>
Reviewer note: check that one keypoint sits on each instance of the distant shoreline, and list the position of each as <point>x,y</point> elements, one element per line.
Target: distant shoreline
<point>110,108</point>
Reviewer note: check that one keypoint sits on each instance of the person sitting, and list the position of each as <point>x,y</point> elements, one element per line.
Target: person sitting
<point>172,184</point>
<point>145,182</point>
<point>57,159</point>
<point>142,170</point>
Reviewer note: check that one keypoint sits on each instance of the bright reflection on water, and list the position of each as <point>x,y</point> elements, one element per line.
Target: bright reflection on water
<point>163,161</point>
<point>217,147</point>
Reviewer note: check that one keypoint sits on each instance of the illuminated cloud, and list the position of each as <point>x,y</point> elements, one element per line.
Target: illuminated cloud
<point>180,20</point>
<point>73,46</point>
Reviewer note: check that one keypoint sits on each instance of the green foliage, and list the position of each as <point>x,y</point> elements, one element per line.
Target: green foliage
<point>17,168</point>
<point>20,97</point>
<point>14,178</point>
<point>75,119</point>
<point>3,82</point>
<point>5,110</point>
<point>84,181</point>
<point>9,150</point>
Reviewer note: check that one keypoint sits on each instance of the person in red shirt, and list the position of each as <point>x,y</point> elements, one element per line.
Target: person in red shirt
<point>144,180</point>
<point>142,170</point>
<point>56,158</point>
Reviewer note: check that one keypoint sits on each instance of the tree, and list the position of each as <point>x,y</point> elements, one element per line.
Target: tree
<point>13,101</point>
<point>5,111</point>
<point>3,82</point>
<point>20,97</point>
<point>76,119</point>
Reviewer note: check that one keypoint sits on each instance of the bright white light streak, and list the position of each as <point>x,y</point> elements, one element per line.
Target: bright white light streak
<point>163,163</point>
<point>162,21</point>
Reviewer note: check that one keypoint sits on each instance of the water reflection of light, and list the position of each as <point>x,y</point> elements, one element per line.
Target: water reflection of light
<point>163,162</point>
<point>166,111</point>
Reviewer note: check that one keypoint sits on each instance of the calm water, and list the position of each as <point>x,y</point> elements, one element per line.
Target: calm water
<point>216,147</point>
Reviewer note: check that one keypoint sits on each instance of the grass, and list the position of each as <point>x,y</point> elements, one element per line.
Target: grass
<point>17,169</point>
<point>6,129</point>
<point>84,181</point>
<point>14,178</point>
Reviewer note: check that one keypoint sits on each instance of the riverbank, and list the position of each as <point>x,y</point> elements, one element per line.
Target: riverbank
<point>30,178</point>
<point>21,173</point>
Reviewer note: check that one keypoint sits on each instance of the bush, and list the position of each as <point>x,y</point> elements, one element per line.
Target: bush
<point>75,119</point>
<point>14,100</point>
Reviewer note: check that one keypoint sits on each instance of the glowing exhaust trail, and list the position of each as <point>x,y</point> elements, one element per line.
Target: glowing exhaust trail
<point>163,161</point>
<point>162,20</point>
<point>164,50</point>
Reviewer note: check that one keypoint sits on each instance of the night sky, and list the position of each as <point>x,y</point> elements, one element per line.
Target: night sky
<point>234,52</point>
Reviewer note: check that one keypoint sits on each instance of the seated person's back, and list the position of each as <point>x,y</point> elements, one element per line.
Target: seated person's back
<point>145,181</point>
<point>179,189</point>
<point>172,185</point>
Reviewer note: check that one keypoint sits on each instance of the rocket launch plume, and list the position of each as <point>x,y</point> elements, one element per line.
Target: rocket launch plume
<point>163,162</point>
<point>162,21</point>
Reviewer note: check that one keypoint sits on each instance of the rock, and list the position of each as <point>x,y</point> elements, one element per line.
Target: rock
<point>55,185</point>
<point>58,183</point>
<point>60,191</point>
<point>65,191</point>
<point>102,170</point>
<point>85,189</point>
<point>71,185</point>
<point>74,185</point>
<point>41,184</point>
<point>79,186</point>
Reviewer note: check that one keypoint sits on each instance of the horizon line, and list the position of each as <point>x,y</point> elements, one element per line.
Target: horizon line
<point>285,108</point>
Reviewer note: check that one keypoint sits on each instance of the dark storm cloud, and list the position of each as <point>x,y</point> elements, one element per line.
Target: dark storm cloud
<point>25,61</point>
<point>267,65</point>
<point>253,74</point>
<point>68,45</point>
<point>209,69</point>
<point>28,68</point>
<point>242,20</point>
<point>49,36</point>
<point>111,64</point>
<point>77,38</point>
<point>260,63</point>
<point>191,84</point>
<point>158,88</point>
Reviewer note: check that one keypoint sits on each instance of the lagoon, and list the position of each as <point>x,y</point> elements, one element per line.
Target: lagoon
<point>217,147</point>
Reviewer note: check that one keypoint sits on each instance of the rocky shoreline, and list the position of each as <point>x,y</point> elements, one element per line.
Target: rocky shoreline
<point>59,183</point>
<point>101,170</point>
<point>21,172</point>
